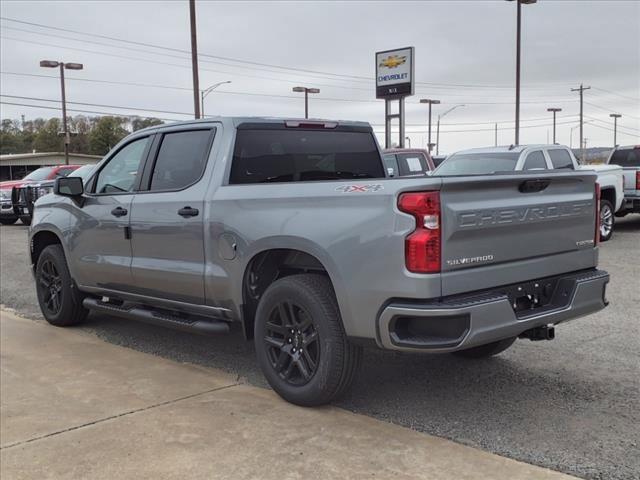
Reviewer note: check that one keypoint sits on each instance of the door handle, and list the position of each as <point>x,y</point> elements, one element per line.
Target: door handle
<point>119,212</point>
<point>188,212</point>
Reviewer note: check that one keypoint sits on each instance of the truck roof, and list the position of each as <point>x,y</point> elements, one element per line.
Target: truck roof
<point>238,120</point>
<point>510,148</point>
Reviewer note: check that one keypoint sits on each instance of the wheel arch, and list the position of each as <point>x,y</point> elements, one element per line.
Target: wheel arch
<point>41,240</point>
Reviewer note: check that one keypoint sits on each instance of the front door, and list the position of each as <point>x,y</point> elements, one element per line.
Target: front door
<point>99,243</point>
<point>167,218</point>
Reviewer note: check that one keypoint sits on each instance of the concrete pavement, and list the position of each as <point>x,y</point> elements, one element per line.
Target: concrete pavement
<point>73,406</point>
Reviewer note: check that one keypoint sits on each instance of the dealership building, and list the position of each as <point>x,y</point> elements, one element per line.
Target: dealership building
<point>16,166</point>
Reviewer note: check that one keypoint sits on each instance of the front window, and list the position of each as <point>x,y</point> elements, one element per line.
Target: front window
<point>478,163</point>
<point>39,174</point>
<point>120,173</point>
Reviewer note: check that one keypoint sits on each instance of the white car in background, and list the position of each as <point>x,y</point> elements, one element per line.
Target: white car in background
<point>540,157</point>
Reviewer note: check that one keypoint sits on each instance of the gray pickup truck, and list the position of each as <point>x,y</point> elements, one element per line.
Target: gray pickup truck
<point>291,230</point>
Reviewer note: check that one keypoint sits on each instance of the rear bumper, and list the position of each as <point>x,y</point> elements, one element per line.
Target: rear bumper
<point>461,322</point>
<point>631,202</point>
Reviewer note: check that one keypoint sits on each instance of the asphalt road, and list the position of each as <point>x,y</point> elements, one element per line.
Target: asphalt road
<point>572,404</point>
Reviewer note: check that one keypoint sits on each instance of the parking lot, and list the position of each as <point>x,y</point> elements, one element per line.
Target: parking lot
<point>571,404</point>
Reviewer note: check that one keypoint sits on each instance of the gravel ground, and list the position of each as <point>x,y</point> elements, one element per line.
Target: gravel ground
<point>571,404</point>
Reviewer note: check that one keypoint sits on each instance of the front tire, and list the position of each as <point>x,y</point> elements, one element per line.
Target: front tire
<point>8,221</point>
<point>59,299</point>
<point>25,219</point>
<point>300,341</point>
<point>607,220</point>
<point>488,350</point>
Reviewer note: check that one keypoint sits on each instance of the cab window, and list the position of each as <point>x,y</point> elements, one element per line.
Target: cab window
<point>535,161</point>
<point>120,173</point>
<point>560,159</point>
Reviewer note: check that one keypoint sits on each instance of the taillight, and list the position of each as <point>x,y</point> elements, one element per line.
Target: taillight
<point>597,195</point>
<point>422,246</point>
<point>638,180</point>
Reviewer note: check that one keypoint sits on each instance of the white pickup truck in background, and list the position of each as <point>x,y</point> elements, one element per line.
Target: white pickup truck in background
<point>540,157</point>
<point>629,159</point>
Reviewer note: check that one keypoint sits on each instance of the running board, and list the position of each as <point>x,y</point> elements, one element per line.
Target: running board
<point>162,318</point>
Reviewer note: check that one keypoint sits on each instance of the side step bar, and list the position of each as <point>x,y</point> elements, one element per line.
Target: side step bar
<point>162,318</point>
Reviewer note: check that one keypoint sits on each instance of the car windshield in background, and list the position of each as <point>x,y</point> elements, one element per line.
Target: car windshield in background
<point>478,163</point>
<point>82,172</point>
<point>626,157</point>
<point>301,155</point>
<point>39,174</point>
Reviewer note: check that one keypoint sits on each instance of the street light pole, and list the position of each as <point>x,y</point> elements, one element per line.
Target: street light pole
<point>206,92</point>
<point>306,91</point>
<point>430,102</point>
<point>438,126</point>
<point>63,66</point>
<point>194,58</point>
<point>615,117</point>
<point>518,36</point>
<point>554,110</point>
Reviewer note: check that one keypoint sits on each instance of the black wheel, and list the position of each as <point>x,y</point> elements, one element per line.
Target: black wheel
<point>60,301</point>
<point>8,221</point>
<point>607,220</point>
<point>25,219</point>
<point>300,342</point>
<point>487,350</point>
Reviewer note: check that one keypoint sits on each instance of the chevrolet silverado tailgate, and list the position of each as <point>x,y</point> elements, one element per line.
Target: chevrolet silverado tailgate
<point>512,227</point>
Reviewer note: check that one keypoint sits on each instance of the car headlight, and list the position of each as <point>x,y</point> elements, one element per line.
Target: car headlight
<point>41,191</point>
<point>5,195</point>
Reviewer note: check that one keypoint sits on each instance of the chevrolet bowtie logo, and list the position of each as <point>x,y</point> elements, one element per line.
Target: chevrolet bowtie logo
<point>393,61</point>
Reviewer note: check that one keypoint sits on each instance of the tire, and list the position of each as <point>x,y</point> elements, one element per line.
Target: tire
<point>607,220</point>
<point>59,299</point>
<point>304,304</point>
<point>25,219</point>
<point>8,221</point>
<point>488,350</point>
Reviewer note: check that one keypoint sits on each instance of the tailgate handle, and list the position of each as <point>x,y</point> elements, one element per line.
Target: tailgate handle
<point>531,186</point>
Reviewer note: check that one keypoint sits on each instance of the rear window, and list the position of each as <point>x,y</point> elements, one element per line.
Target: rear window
<point>560,159</point>
<point>412,164</point>
<point>299,155</point>
<point>478,163</point>
<point>626,157</point>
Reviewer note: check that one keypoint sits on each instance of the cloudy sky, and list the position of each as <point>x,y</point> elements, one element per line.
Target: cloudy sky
<point>465,54</point>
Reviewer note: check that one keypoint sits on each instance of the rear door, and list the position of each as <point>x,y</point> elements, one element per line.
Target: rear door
<point>507,228</point>
<point>167,229</point>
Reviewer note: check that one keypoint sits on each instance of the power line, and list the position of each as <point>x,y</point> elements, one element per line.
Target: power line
<point>611,110</point>
<point>636,99</point>
<point>249,62</point>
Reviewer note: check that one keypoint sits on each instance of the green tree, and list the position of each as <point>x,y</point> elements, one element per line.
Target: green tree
<point>80,127</point>
<point>138,123</point>
<point>10,137</point>
<point>107,132</point>
<point>48,137</point>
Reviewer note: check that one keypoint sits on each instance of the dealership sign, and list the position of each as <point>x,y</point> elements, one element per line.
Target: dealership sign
<point>394,73</point>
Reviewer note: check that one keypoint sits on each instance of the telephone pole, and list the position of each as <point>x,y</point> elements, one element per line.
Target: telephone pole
<point>581,90</point>
<point>615,117</point>
<point>194,59</point>
<point>430,102</point>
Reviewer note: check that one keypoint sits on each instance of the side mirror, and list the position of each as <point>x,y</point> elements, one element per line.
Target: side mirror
<point>68,186</point>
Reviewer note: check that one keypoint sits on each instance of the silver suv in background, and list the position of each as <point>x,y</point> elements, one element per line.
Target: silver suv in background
<point>491,160</point>
<point>291,229</point>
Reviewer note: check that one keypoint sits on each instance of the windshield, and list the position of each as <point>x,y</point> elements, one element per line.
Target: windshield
<point>626,157</point>
<point>478,163</point>
<point>39,174</point>
<point>82,172</point>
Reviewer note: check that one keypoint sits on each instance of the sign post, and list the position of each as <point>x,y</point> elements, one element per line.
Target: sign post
<point>394,81</point>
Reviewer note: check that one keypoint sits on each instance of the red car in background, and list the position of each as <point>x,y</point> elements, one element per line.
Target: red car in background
<point>7,214</point>
<point>407,162</point>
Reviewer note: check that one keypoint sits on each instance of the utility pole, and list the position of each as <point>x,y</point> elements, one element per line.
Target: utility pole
<point>194,59</point>
<point>615,117</point>
<point>63,66</point>
<point>581,90</point>
<point>554,110</point>
<point>495,141</point>
<point>430,102</point>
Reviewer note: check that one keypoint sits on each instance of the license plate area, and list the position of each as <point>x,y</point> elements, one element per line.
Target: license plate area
<point>529,296</point>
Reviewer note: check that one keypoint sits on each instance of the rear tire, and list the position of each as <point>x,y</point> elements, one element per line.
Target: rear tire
<point>8,221</point>
<point>607,220</point>
<point>488,350</point>
<point>300,342</point>
<point>59,299</point>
